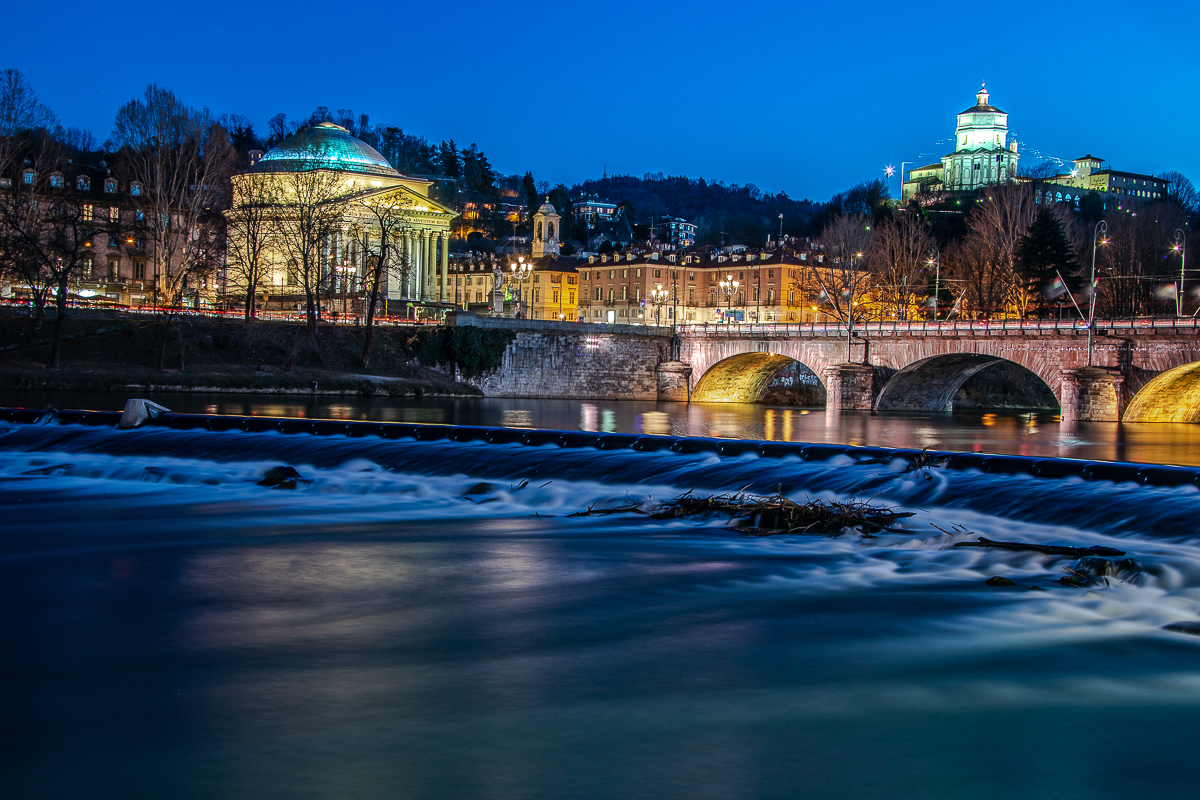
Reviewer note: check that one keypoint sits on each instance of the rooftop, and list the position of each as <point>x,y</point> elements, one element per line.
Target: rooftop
<point>325,146</point>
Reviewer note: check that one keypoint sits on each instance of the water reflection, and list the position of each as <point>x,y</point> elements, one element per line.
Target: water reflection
<point>994,432</point>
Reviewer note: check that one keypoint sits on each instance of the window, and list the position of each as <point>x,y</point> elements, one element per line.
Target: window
<point>658,273</point>
<point>624,292</point>
<point>88,267</point>
<point>135,189</point>
<point>56,181</point>
<point>114,268</point>
<point>572,297</point>
<point>139,270</point>
<point>87,212</point>
<point>112,241</point>
<point>110,186</point>
<point>82,183</point>
<point>639,273</point>
<point>28,176</point>
<point>624,273</point>
<point>555,299</point>
<point>139,215</point>
<point>114,214</point>
<point>598,294</point>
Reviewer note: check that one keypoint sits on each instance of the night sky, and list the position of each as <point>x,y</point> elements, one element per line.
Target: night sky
<point>799,96</point>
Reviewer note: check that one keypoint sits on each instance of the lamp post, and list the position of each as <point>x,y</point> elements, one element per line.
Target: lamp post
<point>1180,247</point>
<point>521,272</point>
<point>728,288</point>
<point>345,270</point>
<point>658,296</point>
<point>1099,237</point>
<point>935,261</point>
<point>850,304</point>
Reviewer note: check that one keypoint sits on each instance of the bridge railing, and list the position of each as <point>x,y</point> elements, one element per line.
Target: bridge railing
<point>943,328</point>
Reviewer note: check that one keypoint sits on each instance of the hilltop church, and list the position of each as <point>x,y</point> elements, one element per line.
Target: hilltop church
<point>983,154</point>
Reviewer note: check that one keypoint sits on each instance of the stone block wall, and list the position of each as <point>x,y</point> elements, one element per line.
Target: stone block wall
<point>561,364</point>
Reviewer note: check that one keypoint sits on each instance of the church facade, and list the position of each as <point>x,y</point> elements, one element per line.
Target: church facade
<point>984,155</point>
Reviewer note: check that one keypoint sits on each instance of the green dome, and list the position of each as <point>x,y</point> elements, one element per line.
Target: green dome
<point>326,145</point>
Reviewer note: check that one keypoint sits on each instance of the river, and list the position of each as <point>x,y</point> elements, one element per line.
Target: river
<point>392,629</point>
<point>1009,432</point>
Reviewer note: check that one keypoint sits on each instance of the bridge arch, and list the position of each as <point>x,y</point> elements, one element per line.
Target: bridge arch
<point>1172,396</point>
<point>745,378</point>
<point>931,384</point>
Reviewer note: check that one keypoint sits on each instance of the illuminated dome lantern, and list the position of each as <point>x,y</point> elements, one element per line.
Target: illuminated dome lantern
<point>325,146</point>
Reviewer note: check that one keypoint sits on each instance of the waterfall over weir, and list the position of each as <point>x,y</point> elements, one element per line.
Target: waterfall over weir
<point>420,617</point>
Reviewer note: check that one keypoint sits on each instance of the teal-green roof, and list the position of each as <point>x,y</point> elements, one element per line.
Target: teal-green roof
<point>326,145</point>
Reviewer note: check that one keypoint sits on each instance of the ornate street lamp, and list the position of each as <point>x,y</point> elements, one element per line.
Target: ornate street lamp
<point>729,288</point>
<point>935,261</point>
<point>520,273</point>
<point>658,296</point>
<point>1099,237</point>
<point>1180,247</point>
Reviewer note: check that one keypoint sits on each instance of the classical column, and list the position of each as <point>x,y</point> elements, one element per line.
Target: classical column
<point>410,263</point>
<point>427,262</point>
<point>444,237</point>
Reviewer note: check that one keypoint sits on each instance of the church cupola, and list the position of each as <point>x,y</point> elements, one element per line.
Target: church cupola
<point>982,98</point>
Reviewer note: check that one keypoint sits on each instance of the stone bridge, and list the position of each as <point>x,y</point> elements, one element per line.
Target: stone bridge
<point>1142,370</point>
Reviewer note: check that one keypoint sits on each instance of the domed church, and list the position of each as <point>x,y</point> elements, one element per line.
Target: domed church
<point>311,214</point>
<point>983,154</point>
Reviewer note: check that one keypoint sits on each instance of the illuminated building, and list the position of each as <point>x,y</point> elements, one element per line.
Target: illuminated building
<point>983,154</point>
<point>354,178</point>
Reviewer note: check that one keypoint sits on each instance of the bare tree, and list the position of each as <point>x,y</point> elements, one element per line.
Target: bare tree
<point>980,275</point>
<point>310,212</point>
<point>391,216</point>
<point>46,229</point>
<point>249,235</point>
<point>1182,192</point>
<point>899,252</point>
<point>20,110</point>
<point>180,162</point>
<point>842,278</point>
<point>996,226</point>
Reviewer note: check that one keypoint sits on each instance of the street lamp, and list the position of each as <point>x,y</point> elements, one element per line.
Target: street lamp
<point>344,268</point>
<point>729,289</point>
<point>1099,237</point>
<point>935,261</point>
<point>521,272</point>
<point>1180,247</point>
<point>658,296</point>
<point>850,304</point>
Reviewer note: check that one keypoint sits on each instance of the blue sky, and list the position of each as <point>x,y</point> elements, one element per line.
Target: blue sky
<point>797,96</point>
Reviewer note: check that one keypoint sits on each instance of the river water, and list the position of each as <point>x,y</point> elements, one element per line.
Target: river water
<point>1010,432</point>
<point>390,629</point>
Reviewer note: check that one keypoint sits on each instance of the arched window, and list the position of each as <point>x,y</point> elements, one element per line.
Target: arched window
<point>539,230</point>
<point>550,230</point>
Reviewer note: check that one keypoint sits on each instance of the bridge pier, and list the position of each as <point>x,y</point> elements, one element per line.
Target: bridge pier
<point>674,380</point>
<point>848,387</point>
<point>1091,394</point>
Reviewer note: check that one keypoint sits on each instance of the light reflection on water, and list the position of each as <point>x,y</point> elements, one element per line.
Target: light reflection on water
<point>1013,432</point>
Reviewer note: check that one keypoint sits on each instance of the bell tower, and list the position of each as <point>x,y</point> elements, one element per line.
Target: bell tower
<point>545,231</point>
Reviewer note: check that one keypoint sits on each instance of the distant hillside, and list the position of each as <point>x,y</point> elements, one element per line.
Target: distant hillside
<point>745,213</point>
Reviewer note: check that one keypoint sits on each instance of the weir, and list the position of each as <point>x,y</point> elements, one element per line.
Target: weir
<point>901,458</point>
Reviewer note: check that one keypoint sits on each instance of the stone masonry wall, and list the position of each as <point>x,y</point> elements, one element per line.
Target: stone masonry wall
<point>560,364</point>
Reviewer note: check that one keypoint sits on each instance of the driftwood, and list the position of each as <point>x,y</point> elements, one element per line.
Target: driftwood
<point>759,515</point>
<point>1048,549</point>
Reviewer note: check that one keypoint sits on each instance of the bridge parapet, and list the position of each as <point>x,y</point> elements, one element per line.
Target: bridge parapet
<point>951,328</point>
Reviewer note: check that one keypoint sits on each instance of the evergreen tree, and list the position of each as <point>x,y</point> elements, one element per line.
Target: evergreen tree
<point>1044,254</point>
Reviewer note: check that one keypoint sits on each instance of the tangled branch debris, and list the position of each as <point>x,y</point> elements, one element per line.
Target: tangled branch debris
<point>1049,549</point>
<point>768,515</point>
